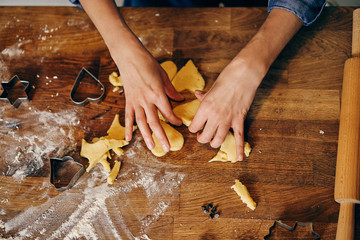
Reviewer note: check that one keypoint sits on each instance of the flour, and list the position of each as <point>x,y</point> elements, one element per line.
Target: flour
<point>14,50</point>
<point>24,153</point>
<point>88,203</point>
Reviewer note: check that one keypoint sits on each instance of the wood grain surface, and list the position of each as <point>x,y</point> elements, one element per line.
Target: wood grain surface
<point>292,126</point>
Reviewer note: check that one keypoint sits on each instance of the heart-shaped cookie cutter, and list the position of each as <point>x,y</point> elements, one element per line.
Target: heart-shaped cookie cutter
<point>79,78</point>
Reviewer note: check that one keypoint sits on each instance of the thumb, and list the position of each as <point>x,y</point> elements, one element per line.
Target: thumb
<point>200,95</point>
<point>170,90</point>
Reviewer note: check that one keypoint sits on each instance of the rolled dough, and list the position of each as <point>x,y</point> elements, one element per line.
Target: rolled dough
<point>186,112</point>
<point>188,78</point>
<point>175,138</point>
<point>227,152</point>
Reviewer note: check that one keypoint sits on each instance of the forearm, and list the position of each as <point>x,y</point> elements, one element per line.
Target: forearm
<point>268,42</point>
<point>112,27</point>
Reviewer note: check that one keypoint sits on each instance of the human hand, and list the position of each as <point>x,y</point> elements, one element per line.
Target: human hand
<point>147,88</point>
<point>226,104</point>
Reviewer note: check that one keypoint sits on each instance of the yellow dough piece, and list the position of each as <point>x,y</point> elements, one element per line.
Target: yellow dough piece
<point>98,152</point>
<point>186,112</point>
<point>176,140</point>
<point>114,172</point>
<point>116,131</point>
<point>188,78</point>
<point>227,152</point>
<point>170,68</point>
<point>242,191</point>
<point>115,80</point>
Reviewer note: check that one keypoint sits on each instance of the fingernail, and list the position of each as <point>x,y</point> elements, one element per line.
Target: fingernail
<point>149,144</point>
<point>165,148</point>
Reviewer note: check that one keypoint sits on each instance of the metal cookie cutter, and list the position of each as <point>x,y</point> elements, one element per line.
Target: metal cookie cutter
<point>79,78</point>
<point>291,229</point>
<point>65,172</point>
<point>9,85</point>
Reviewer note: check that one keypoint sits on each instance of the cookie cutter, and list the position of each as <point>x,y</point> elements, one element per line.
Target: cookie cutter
<point>291,229</point>
<point>8,85</point>
<point>56,165</point>
<point>78,80</point>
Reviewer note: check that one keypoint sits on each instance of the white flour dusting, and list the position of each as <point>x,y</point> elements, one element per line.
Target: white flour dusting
<point>14,50</point>
<point>25,152</point>
<point>94,210</point>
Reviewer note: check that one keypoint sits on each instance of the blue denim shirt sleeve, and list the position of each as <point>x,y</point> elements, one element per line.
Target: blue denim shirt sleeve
<point>76,2</point>
<point>306,10</point>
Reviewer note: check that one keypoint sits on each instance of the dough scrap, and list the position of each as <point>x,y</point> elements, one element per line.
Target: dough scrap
<point>188,78</point>
<point>227,152</point>
<point>244,194</point>
<point>176,140</point>
<point>186,112</point>
<point>98,150</point>
<point>114,172</point>
<point>170,68</point>
<point>115,79</point>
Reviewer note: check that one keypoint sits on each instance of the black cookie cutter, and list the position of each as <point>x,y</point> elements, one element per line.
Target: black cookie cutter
<point>56,165</point>
<point>291,229</point>
<point>80,76</point>
<point>8,85</point>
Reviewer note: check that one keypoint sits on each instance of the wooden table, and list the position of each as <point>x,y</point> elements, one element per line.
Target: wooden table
<point>292,127</point>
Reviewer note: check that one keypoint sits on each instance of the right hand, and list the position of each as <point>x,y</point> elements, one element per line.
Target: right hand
<point>147,88</point>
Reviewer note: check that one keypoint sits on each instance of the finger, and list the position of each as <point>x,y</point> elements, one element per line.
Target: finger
<point>170,90</point>
<point>199,120</point>
<point>200,95</point>
<point>154,123</point>
<point>144,128</point>
<point>129,122</point>
<point>208,133</point>
<point>220,136</point>
<point>168,113</point>
<point>239,142</point>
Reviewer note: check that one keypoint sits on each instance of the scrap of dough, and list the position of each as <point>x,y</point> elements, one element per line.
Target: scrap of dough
<point>116,131</point>
<point>114,172</point>
<point>99,151</point>
<point>188,78</point>
<point>227,152</point>
<point>176,140</point>
<point>242,191</point>
<point>186,112</point>
<point>170,68</point>
<point>115,80</point>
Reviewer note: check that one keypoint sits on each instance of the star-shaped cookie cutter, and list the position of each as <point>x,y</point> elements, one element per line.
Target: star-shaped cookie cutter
<point>79,78</point>
<point>56,165</point>
<point>291,229</point>
<point>8,85</point>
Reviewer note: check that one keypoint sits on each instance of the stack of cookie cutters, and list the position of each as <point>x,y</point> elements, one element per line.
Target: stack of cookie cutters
<point>9,85</point>
<point>78,80</point>
<point>57,172</point>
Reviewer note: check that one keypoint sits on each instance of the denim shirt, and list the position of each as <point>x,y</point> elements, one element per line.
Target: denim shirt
<point>306,10</point>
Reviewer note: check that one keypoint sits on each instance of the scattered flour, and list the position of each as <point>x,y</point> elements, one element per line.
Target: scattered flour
<point>94,210</point>
<point>24,151</point>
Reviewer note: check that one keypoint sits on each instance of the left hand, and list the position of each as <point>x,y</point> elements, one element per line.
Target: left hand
<point>226,104</point>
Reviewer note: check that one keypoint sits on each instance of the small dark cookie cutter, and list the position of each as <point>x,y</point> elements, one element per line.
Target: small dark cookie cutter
<point>291,229</point>
<point>7,85</point>
<point>88,99</point>
<point>74,179</point>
